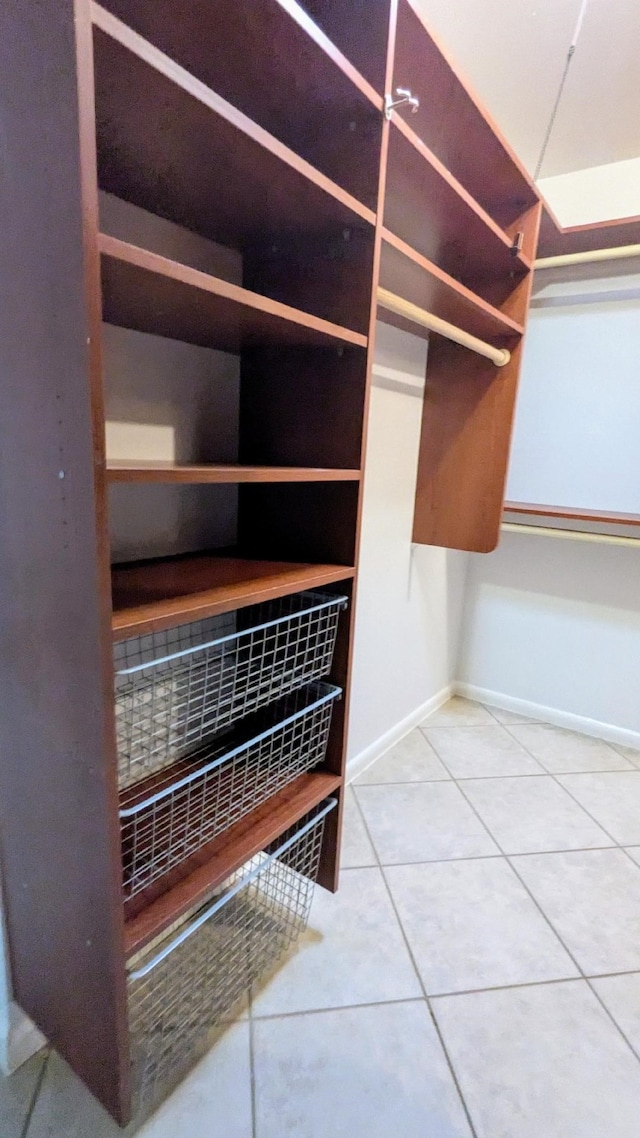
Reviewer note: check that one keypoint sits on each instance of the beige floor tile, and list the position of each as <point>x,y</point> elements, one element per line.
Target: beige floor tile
<point>214,1101</point>
<point>481,752</point>
<point>422,821</point>
<point>471,924</point>
<point>621,997</point>
<point>593,901</point>
<point>509,717</point>
<point>634,852</point>
<point>458,712</point>
<point>356,849</point>
<point>352,953</point>
<point>541,1062</point>
<point>533,815</point>
<point>613,799</point>
<point>630,753</point>
<point>16,1096</point>
<point>565,752</point>
<point>355,1073</point>
<point>411,760</point>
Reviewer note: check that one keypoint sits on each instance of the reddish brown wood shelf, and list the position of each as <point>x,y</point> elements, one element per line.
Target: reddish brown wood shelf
<point>197,878</point>
<point>429,209</point>
<point>149,471</point>
<point>171,145</point>
<point>556,239</point>
<point>150,293</point>
<point>571,513</point>
<point>256,56</point>
<point>407,273</point>
<point>151,595</point>
<point>474,145</point>
<point>360,29</point>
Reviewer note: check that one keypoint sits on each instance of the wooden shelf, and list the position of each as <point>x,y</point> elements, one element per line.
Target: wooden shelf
<point>360,28</point>
<point>431,211</point>
<point>150,293</point>
<point>556,239</point>
<point>151,595</point>
<point>407,273</point>
<point>269,60</point>
<point>572,513</point>
<point>453,123</point>
<point>169,144</point>
<point>196,879</point>
<point>143,470</point>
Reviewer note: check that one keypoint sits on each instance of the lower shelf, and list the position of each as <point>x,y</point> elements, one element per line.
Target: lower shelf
<point>159,906</point>
<point>149,596</point>
<point>184,987</point>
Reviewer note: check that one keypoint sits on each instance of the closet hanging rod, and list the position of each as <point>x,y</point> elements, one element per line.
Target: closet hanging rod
<point>620,253</point>
<point>570,534</point>
<point>388,300</point>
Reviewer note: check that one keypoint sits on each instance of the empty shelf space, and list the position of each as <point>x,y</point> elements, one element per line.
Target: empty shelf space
<point>204,872</point>
<point>149,596</point>
<point>152,471</point>
<point>149,293</point>
<point>451,121</point>
<point>273,63</point>
<point>171,145</point>
<point>426,207</point>
<point>408,274</point>
<point>360,29</point>
<point>572,513</point>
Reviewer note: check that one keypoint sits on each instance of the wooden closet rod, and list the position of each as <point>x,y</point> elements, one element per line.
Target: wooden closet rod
<point>570,534</point>
<point>388,300</point>
<point>618,254</point>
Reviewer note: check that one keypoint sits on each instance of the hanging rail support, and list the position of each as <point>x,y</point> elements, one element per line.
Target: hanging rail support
<point>620,253</point>
<point>388,300</point>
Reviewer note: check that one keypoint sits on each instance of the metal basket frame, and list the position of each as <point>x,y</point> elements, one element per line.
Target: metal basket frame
<point>182,685</point>
<point>185,985</point>
<point>185,811</point>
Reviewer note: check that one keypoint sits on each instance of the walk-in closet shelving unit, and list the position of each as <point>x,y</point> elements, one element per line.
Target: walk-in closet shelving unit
<point>163,820</point>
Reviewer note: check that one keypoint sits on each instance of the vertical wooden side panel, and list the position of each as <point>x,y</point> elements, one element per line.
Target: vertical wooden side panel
<point>466,433</point>
<point>58,823</point>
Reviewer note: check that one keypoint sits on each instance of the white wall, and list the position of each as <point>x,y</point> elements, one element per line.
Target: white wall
<point>409,599</point>
<point>553,626</point>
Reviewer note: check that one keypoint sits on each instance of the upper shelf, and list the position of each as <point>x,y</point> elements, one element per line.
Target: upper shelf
<point>171,145</point>
<point>432,212</point>
<point>149,596</point>
<point>360,28</point>
<point>454,125</point>
<point>149,293</point>
<point>571,513</point>
<point>272,62</point>
<point>149,471</point>
<point>408,274</point>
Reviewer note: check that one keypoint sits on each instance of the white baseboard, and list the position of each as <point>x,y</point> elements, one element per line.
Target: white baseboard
<point>21,1040</point>
<point>359,763</point>
<point>607,731</point>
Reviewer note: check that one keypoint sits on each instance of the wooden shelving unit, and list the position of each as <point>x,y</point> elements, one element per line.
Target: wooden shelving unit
<point>259,128</point>
<point>571,513</point>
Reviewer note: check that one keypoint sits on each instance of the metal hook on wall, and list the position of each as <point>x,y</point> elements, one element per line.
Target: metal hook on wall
<point>406,99</point>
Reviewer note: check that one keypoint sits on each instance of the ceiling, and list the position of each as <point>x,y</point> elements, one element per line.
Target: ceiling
<point>513,53</point>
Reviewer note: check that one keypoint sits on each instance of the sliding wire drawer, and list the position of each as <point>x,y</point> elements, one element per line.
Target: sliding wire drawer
<point>176,687</point>
<point>183,987</point>
<point>171,816</point>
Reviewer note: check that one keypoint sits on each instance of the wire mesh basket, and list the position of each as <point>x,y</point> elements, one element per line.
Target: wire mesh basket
<point>178,686</point>
<point>183,987</point>
<point>171,816</point>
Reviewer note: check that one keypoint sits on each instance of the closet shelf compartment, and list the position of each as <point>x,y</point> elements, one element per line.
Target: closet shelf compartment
<point>255,56</point>
<point>157,908</point>
<point>429,209</point>
<point>150,471</point>
<point>173,689</point>
<point>407,273</point>
<point>166,819</point>
<point>150,293</point>
<point>184,986</point>
<point>171,145</point>
<point>150,596</point>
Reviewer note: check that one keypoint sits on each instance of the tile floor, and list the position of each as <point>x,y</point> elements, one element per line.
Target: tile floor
<point>478,973</point>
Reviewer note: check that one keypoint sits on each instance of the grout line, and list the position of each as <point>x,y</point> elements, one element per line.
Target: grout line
<point>339,1007</point>
<point>252,1078</point>
<point>434,1021</point>
<point>34,1098</point>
